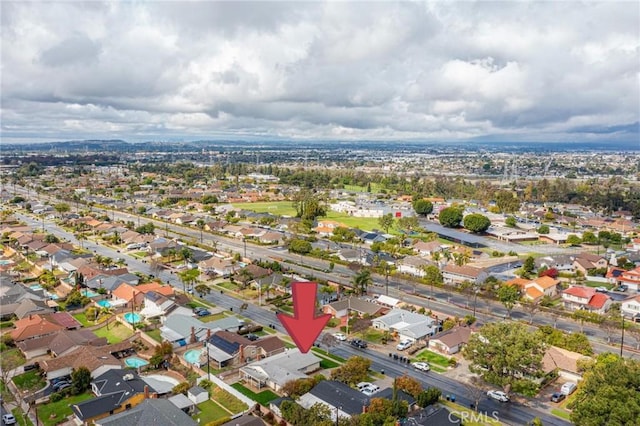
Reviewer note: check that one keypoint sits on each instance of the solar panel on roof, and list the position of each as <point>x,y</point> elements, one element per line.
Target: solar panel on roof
<point>228,347</point>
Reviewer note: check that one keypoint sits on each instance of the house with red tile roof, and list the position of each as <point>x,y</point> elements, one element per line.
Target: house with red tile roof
<point>629,278</point>
<point>587,298</point>
<point>34,326</point>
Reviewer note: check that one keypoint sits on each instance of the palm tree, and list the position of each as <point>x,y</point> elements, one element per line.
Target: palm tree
<point>362,280</point>
<point>81,237</point>
<point>200,224</point>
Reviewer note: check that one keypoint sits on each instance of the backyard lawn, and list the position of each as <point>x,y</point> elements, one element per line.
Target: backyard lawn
<point>263,398</point>
<point>55,412</point>
<point>227,400</point>
<point>155,335</point>
<point>30,381</point>
<point>210,412</point>
<point>115,333</point>
<point>82,319</point>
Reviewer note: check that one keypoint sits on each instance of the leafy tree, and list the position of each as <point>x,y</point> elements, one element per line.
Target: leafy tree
<point>61,208</point>
<point>300,246</point>
<point>575,342</point>
<point>51,239</point>
<point>507,355</point>
<point>309,205</point>
<point>428,397</point>
<point>200,225</point>
<point>409,223</point>
<point>609,393</point>
<point>203,289</point>
<point>528,266</point>
<point>423,207</point>
<point>182,388</point>
<point>476,222</point>
<point>543,229</point>
<point>508,295</point>
<point>589,237</point>
<point>507,201</point>
<point>80,380</point>
<point>409,385</point>
<point>75,298</point>
<point>386,222</point>
<point>297,388</point>
<point>354,370</point>
<point>342,234</point>
<point>450,217</point>
<point>511,222</point>
<point>362,280</point>
<point>147,228</point>
<point>573,240</point>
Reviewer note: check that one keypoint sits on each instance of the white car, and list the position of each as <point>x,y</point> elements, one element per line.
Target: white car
<point>422,366</point>
<point>370,390</point>
<point>8,419</point>
<point>340,336</point>
<point>498,395</point>
<point>568,388</point>
<point>363,385</point>
<point>404,345</point>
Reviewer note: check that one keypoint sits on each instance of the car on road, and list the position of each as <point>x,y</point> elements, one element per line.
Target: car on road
<point>422,366</point>
<point>404,345</point>
<point>498,395</point>
<point>359,343</point>
<point>340,336</point>
<point>557,397</point>
<point>8,419</point>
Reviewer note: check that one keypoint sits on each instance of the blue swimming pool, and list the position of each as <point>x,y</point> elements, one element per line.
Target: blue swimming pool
<point>89,293</point>
<point>36,287</point>
<point>5,262</point>
<point>192,356</point>
<point>132,318</point>
<point>103,303</point>
<point>135,362</point>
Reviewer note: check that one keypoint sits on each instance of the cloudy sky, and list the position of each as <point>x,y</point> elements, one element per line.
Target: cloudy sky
<point>159,70</point>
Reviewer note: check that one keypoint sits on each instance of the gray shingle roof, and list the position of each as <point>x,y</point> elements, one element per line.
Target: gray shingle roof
<point>156,412</point>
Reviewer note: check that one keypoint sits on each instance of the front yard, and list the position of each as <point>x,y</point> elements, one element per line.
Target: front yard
<point>438,362</point>
<point>55,412</point>
<point>30,381</point>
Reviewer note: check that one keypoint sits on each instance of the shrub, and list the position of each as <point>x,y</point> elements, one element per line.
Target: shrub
<point>56,396</point>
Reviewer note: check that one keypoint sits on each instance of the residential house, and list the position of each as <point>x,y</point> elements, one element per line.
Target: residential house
<point>629,278</point>
<point>228,348</point>
<point>342,400</point>
<point>580,297</point>
<point>32,327</point>
<point>564,362</point>
<point>630,308</point>
<point>115,391</point>
<point>451,341</point>
<point>536,289</point>
<point>427,248</point>
<point>29,307</point>
<point>276,370</point>
<point>158,412</point>
<point>408,325</point>
<point>353,256</point>
<point>454,274</point>
<point>433,415</point>
<point>156,305</point>
<point>96,359</point>
<point>350,305</point>
<point>325,227</point>
<point>584,262</point>
<point>245,420</point>
<point>215,265</point>
<point>59,343</point>
<point>414,265</point>
<point>561,262</point>
<point>271,237</point>
<point>181,329</point>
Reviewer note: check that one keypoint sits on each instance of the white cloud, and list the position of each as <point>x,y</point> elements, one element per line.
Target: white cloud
<point>388,70</point>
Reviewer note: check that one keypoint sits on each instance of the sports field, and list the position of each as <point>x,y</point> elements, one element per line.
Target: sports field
<point>281,208</point>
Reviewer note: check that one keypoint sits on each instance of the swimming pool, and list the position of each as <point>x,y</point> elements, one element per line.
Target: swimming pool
<point>135,362</point>
<point>192,356</point>
<point>5,262</point>
<point>131,318</point>
<point>103,303</point>
<point>89,293</point>
<point>36,287</point>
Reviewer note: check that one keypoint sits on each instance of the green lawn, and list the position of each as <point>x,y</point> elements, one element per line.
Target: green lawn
<point>20,417</point>
<point>55,412</point>
<point>155,335</point>
<point>373,335</point>
<point>325,363</point>
<point>30,381</point>
<point>263,398</point>
<point>115,334</point>
<point>327,354</point>
<point>6,324</point>
<point>282,208</point>
<point>227,400</point>
<point>4,392</point>
<point>213,317</point>
<point>434,359</point>
<point>563,414</point>
<point>11,358</point>
<point>229,286</point>
<point>210,411</point>
<point>82,319</point>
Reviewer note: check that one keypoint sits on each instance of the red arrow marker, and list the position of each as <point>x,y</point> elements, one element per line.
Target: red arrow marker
<point>304,327</point>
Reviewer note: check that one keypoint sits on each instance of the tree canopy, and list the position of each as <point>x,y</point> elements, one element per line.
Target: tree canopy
<point>423,207</point>
<point>506,354</point>
<point>609,393</point>
<point>476,222</point>
<point>450,217</point>
<point>354,370</point>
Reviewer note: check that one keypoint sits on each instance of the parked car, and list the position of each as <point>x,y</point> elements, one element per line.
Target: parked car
<point>340,336</point>
<point>252,337</point>
<point>61,385</point>
<point>404,344</point>
<point>8,419</point>
<point>29,367</point>
<point>359,343</point>
<point>203,313</point>
<point>370,390</point>
<point>622,287</point>
<point>60,379</point>
<point>363,385</point>
<point>557,397</point>
<point>422,366</point>
<point>498,395</point>
<point>602,289</point>
<point>568,388</point>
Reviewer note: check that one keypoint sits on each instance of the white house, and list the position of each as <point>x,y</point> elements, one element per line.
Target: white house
<point>413,265</point>
<point>223,267</point>
<point>579,297</point>
<point>631,308</point>
<point>408,325</point>
<point>454,274</point>
<point>276,370</point>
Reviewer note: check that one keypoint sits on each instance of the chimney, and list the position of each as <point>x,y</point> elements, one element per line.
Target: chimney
<point>146,392</point>
<point>241,354</point>
<point>364,409</point>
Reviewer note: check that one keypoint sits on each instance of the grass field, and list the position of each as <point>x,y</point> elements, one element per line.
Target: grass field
<point>115,334</point>
<point>438,363</point>
<point>263,398</point>
<point>227,400</point>
<point>373,335</point>
<point>55,412</point>
<point>210,412</point>
<point>282,208</point>
<point>30,381</point>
